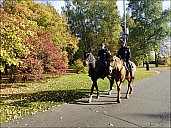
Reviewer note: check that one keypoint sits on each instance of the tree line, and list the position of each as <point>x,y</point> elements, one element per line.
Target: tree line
<point>97,21</point>
<point>35,39</point>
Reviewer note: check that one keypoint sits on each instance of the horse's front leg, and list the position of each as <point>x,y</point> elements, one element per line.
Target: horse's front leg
<point>111,80</point>
<point>92,89</point>
<point>91,93</point>
<point>118,90</point>
<point>95,84</point>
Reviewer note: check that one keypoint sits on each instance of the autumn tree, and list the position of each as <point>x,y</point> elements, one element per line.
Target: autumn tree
<point>34,38</point>
<point>13,35</point>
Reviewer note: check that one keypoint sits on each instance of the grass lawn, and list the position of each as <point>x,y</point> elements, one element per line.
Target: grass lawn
<point>21,99</point>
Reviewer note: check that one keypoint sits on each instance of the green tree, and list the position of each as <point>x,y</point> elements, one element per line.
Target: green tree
<point>93,22</point>
<point>151,26</point>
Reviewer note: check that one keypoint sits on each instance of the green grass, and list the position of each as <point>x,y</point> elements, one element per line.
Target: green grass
<point>21,99</point>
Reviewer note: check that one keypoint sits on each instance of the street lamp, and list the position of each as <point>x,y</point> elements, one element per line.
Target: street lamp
<point>124,15</point>
<point>156,56</point>
<point>126,31</point>
<point>145,41</point>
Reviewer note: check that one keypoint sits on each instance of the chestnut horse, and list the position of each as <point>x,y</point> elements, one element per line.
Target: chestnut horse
<point>119,74</point>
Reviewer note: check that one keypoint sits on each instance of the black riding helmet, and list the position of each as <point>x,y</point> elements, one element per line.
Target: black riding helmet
<point>121,43</point>
<point>102,45</point>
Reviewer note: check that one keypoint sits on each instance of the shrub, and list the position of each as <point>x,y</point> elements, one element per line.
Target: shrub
<point>167,61</point>
<point>78,65</point>
<point>44,57</point>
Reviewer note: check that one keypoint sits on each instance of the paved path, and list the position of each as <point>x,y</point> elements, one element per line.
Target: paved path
<point>149,106</point>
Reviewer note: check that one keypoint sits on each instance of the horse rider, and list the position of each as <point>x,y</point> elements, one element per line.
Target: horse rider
<point>124,53</point>
<point>102,57</point>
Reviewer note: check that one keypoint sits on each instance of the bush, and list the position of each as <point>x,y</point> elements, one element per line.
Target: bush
<point>78,65</point>
<point>167,61</point>
<point>44,57</point>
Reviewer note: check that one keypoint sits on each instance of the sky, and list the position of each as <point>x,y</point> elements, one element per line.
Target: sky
<point>59,3</point>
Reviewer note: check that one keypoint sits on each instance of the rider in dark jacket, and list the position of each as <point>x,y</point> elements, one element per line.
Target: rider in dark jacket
<point>103,55</point>
<point>124,53</point>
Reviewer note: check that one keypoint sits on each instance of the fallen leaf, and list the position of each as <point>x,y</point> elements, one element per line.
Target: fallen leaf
<point>111,124</point>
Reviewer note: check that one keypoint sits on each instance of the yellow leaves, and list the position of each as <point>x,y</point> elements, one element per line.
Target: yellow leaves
<point>3,52</point>
<point>14,31</point>
<point>21,24</point>
<point>5,55</point>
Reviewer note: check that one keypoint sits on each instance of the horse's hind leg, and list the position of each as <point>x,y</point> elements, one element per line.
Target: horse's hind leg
<point>118,90</point>
<point>128,90</point>
<point>131,89</point>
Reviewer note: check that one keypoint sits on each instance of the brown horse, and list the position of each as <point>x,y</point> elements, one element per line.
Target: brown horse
<point>119,74</point>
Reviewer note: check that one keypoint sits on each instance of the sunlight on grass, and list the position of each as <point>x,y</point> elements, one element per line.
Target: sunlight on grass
<point>21,99</point>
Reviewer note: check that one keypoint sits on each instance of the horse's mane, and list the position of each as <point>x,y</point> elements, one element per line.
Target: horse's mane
<point>92,57</point>
<point>117,58</point>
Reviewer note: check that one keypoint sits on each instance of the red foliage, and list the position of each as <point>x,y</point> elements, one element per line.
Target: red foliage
<point>31,67</point>
<point>1,10</point>
<point>44,57</point>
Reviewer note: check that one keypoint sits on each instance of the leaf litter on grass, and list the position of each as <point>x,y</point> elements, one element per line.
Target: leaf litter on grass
<point>21,99</point>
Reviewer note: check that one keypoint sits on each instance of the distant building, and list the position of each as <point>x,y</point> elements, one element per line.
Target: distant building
<point>152,53</point>
<point>165,48</point>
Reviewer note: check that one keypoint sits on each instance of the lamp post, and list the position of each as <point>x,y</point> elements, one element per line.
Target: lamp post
<point>156,56</point>
<point>145,41</point>
<point>124,15</point>
<point>156,59</point>
<point>126,31</point>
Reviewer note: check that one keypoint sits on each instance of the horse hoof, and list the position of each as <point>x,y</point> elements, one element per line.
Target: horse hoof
<point>127,97</point>
<point>110,92</point>
<point>89,101</point>
<point>118,101</point>
<point>97,97</point>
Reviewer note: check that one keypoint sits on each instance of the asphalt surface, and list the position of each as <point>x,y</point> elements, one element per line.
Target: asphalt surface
<point>148,106</point>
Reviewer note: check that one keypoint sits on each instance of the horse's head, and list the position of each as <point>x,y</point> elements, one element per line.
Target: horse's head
<point>88,58</point>
<point>112,61</point>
